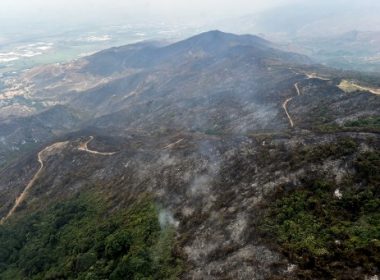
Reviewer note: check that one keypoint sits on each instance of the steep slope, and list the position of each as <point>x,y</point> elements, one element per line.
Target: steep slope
<point>231,69</point>
<point>146,55</point>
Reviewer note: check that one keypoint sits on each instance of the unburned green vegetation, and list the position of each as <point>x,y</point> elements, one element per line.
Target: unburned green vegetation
<point>343,147</point>
<point>330,230</point>
<point>82,239</point>
<point>366,124</point>
<point>370,122</point>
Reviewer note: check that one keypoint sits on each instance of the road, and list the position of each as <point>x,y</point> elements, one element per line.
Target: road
<point>84,147</point>
<point>314,76</point>
<point>349,86</point>
<point>297,89</point>
<point>36,176</point>
<point>371,90</point>
<point>40,157</point>
<point>284,105</point>
<point>173,144</point>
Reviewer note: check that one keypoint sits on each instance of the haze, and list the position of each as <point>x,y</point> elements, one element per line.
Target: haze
<point>35,11</point>
<point>19,15</point>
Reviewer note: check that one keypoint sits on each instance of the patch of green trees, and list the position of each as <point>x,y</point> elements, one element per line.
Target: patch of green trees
<point>328,236</point>
<point>82,239</point>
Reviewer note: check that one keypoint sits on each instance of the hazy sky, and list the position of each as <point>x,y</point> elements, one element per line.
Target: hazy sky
<point>18,15</point>
<point>38,10</point>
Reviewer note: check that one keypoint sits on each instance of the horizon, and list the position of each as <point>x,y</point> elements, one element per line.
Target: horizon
<point>60,15</point>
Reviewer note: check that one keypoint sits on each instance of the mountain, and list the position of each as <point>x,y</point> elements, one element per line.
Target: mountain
<point>144,55</point>
<point>217,157</point>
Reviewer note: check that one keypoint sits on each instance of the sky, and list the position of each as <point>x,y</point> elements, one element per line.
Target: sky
<point>24,15</point>
<point>91,10</point>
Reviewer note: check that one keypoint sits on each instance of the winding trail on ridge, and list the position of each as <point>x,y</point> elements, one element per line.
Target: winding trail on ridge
<point>349,86</point>
<point>41,157</point>
<point>315,76</point>
<point>84,147</point>
<point>370,90</point>
<point>36,176</point>
<point>285,105</point>
<point>297,89</point>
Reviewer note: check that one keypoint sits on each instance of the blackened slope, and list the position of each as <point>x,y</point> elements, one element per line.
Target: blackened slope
<point>117,59</point>
<point>205,73</point>
<point>208,44</point>
<point>214,42</point>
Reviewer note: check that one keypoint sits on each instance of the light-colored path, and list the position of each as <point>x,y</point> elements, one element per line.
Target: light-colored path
<point>173,144</point>
<point>84,147</point>
<point>315,76</point>
<point>284,105</point>
<point>348,86</point>
<point>41,157</point>
<point>297,89</point>
<point>371,90</point>
<point>25,192</point>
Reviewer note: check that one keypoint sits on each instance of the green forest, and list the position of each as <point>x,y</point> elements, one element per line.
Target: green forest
<point>82,239</point>
<point>327,236</point>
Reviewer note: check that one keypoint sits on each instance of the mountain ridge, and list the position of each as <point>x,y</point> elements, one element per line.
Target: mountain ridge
<point>213,152</point>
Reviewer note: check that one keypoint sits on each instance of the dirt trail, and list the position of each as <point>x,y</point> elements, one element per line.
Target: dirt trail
<point>297,89</point>
<point>84,147</point>
<point>348,86</point>
<point>284,105</point>
<point>24,193</point>
<point>173,144</point>
<point>40,157</point>
<point>315,76</point>
<point>371,90</point>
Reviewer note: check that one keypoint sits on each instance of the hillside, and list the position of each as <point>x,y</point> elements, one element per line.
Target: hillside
<point>217,157</point>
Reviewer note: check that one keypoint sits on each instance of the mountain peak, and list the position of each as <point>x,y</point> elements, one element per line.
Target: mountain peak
<point>214,33</point>
<point>215,41</point>
<point>218,35</point>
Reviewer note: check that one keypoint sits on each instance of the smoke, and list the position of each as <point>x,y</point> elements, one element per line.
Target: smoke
<point>166,219</point>
<point>201,185</point>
